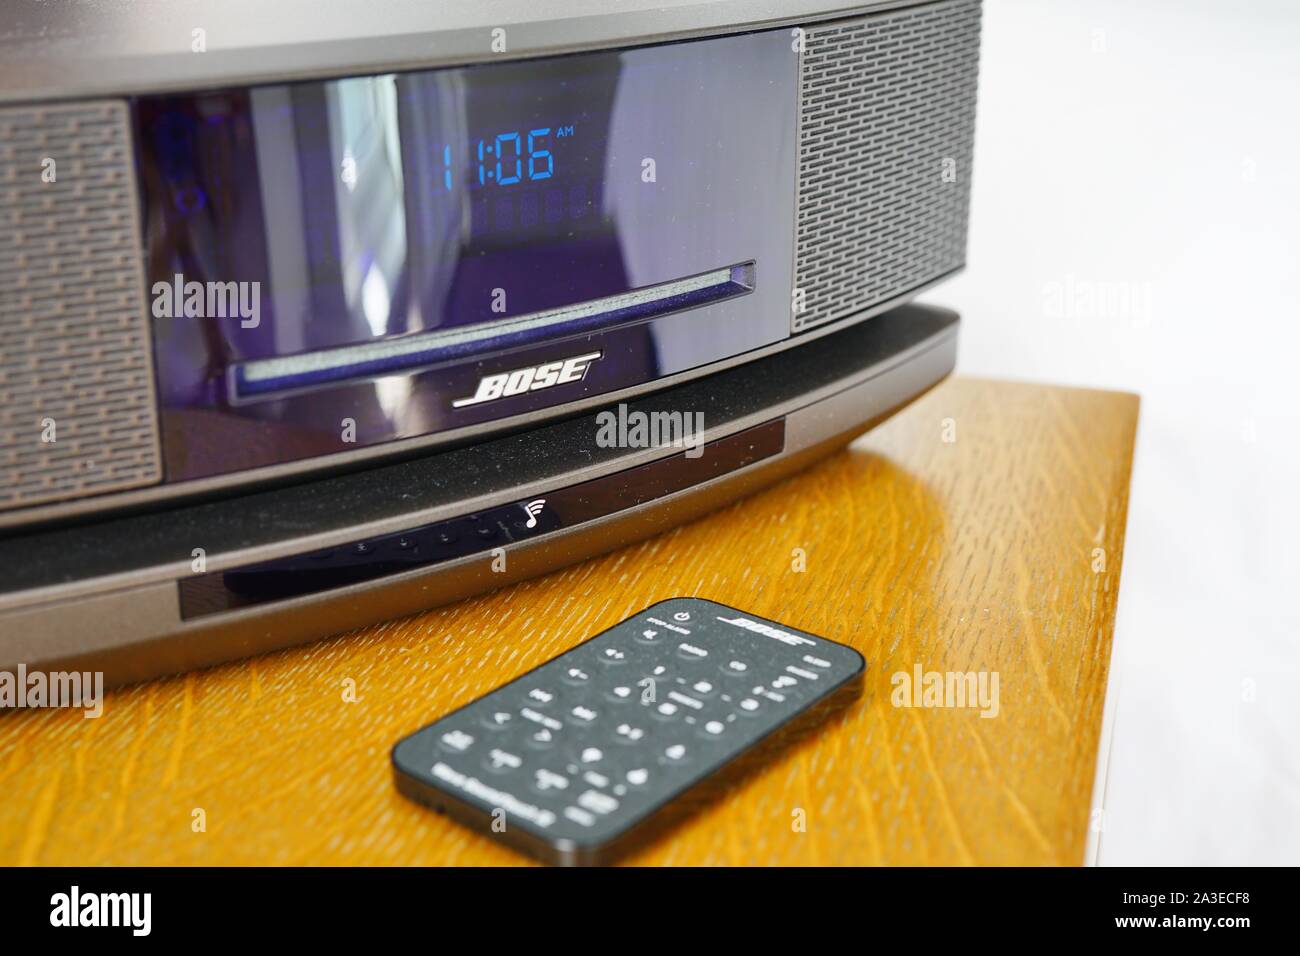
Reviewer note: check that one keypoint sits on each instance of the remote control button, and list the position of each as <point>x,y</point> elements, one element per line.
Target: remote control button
<point>576,676</point>
<point>457,741</point>
<point>582,715</point>
<point>650,635</point>
<point>497,720</point>
<point>537,717</point>
<point>580,817</point>
<point>590,755</point>
<point>547,781</point>
<point>596,779</point>
<point>784,682</point>
<point>816,662</point>
<point>638,777</point>
<point>714,728</point>
<point>734,668</point>
<point>541,739</point>
<point>703,688</point>
<point>543,733</point>
<point>627,734</point>
<point>749,706</point>
<point>685,700</point>
<point>682,617</point>
<point>601,803</point>
<point>501,761</point>
<point>675,753</point>
<point>801,672</point>
<point>539,696</point>
<point>621,694</point>
<point>612,656</point>
<point>691,652</point>
<point>667,710</point>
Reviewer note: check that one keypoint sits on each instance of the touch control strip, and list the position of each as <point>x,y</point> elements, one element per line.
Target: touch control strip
<point>371,558</point>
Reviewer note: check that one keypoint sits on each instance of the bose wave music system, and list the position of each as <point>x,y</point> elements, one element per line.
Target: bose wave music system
<point>322,316</point>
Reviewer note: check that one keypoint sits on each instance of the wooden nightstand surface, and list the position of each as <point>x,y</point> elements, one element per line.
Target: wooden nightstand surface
<point>997,551</point>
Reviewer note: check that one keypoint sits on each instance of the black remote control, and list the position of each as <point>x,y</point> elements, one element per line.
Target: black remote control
<point>593,752</point>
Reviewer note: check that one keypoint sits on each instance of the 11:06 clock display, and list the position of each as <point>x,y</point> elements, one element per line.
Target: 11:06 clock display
<point>507,158</point>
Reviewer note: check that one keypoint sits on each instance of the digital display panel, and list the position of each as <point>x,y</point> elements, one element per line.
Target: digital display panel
<point>408,234</point>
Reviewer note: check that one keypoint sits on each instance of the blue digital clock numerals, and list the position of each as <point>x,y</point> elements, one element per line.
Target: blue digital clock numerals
<point>504,178</point>
<point>501,159</point>
<point>535,155</point>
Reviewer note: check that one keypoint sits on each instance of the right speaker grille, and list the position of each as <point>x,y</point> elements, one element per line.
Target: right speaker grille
<point>886,131</point>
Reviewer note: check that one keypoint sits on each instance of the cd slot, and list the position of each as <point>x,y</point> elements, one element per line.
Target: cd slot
<point>270,378</point>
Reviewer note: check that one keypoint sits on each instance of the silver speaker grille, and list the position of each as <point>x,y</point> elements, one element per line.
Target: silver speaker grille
<point>74,338</point>
<point>886,130</point>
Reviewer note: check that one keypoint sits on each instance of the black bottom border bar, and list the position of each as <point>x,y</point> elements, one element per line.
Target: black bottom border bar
<point>980,907</point>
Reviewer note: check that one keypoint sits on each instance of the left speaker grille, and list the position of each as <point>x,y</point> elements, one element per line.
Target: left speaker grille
<point>74,337</point>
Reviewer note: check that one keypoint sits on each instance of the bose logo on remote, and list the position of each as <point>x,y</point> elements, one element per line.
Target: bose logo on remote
<point>758,628</point>
<point>529,379</point>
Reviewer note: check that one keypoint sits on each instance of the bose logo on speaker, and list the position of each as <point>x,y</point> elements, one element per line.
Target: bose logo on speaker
<point>529,379</point>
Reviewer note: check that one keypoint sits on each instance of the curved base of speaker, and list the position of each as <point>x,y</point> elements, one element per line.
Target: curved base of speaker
<point>145,595</point>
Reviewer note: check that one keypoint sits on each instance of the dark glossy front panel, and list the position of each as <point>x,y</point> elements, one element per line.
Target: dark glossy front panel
<point>442,206</point>
<point>373,558</point>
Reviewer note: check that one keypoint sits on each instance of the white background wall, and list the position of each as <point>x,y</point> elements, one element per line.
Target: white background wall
<point>1151,150</point>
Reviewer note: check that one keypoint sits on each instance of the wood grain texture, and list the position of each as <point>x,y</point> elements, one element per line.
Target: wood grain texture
<point>971,555</point>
